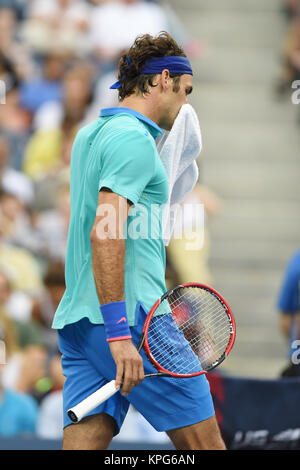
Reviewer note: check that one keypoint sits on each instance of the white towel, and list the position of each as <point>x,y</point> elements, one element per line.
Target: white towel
<point>178,150</point>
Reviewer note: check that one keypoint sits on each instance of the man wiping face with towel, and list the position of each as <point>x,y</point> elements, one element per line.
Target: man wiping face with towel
<point>114,274</point>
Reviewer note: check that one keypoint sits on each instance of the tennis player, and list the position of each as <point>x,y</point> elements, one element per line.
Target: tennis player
<point>113,276</point>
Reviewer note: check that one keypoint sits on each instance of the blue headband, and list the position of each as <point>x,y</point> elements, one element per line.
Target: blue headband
<point>175,64</point>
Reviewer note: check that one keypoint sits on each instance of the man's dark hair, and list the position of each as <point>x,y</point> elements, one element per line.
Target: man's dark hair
<point>144,48</point>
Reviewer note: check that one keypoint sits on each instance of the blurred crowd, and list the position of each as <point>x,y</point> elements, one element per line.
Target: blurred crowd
<point>57,61</point>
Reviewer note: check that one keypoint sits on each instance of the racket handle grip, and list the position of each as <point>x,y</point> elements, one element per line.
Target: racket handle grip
<point>92,401</point>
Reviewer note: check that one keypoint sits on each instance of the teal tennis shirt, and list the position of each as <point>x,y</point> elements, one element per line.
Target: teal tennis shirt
<point>117,151</point>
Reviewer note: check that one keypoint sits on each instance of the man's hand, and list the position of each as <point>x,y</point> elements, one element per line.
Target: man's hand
<point>130,369</point>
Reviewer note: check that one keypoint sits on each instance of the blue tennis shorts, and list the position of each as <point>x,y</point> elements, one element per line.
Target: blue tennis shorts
<point>166,403</point>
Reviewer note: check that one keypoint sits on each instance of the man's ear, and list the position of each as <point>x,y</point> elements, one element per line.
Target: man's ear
<point>165,79</point>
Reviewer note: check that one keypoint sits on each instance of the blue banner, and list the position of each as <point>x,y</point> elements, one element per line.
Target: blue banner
<point>257,414</point>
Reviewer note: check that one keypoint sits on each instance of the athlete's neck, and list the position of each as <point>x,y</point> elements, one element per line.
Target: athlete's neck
<point>142,105</point>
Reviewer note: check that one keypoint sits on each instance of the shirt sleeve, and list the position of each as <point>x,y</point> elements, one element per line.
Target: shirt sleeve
<point>127,163</point>
<point>289,297</point>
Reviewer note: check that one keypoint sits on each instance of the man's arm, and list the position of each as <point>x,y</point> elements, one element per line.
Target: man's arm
<point>108,256</point>
<point>108,246</point>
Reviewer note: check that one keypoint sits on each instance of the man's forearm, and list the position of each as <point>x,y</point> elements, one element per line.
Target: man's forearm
<point>108,247</point>
<point>108,258</point>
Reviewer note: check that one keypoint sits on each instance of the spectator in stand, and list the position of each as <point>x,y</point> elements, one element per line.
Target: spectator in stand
<point>8,73</point>
<point>52,225</point>
<point>129,19</point>
<point>47,303</point>
<point>15,122</point>
<point>289,311</point>
<point>25,369</point>
<point>17,307</point>
<point>50,418</point>
<point>10,44</point>
<point>290,8</point>
<point>12,181</point>
<point>17,304</point>
<point>34,92</point>
<point>19,264</point>
<point>49,150</point>
<point>17,226</point>
<point>18,6</point>
<point>25,363</point>
<point>18,412</point>
<point>57,25</point>
<point>56,123</point>
<point>77,96</point>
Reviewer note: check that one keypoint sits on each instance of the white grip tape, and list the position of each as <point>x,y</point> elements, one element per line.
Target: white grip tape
<point>95,399</point>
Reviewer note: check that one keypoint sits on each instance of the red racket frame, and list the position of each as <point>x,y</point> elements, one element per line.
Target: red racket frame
<point>159,301</point>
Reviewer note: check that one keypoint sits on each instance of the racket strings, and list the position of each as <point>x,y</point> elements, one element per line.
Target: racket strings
<point>214,323</point>
<point>193,335</point>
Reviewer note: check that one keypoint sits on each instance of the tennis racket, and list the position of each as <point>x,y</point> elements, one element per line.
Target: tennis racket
<point>189,331</point>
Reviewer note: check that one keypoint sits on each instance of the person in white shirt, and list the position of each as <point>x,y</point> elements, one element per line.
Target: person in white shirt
<point>57,25</point>
<point>126,19</point>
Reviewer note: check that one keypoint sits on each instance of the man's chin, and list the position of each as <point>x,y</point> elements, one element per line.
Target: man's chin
<point>167,126</point>
<point>172,123</point>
